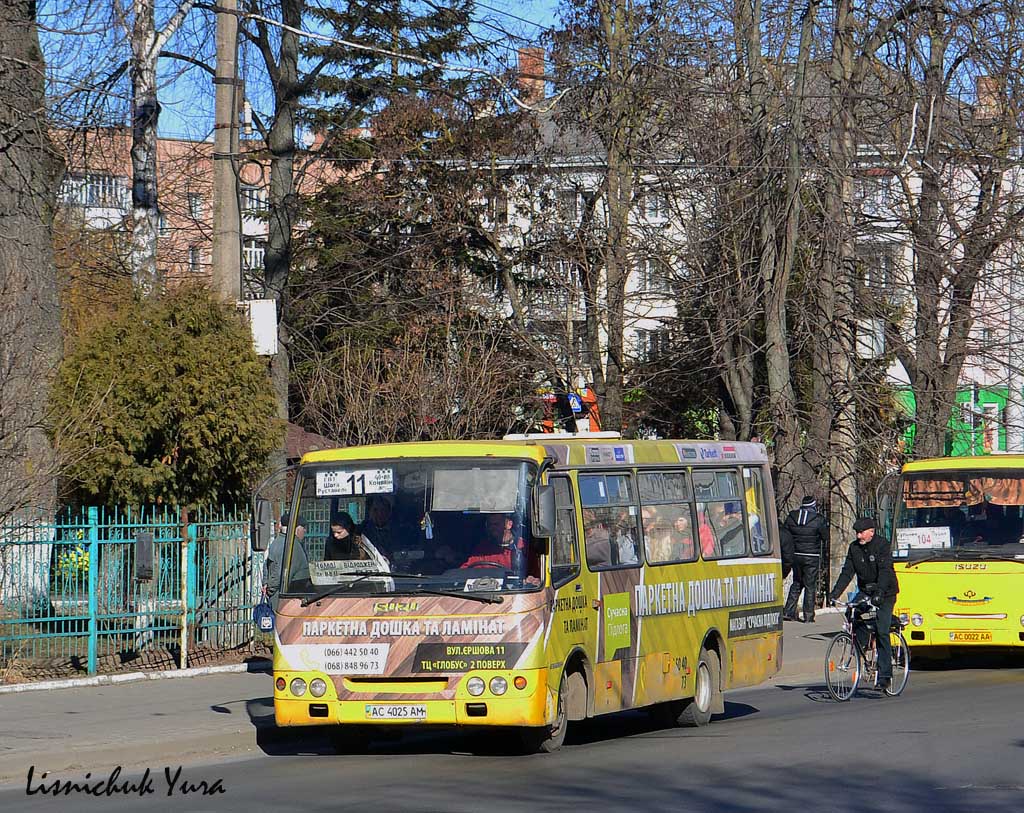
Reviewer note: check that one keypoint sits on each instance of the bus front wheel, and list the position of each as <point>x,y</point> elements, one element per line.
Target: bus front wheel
<point>548,738</point>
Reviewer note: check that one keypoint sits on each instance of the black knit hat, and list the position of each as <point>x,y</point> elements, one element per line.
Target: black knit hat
<point>863,524</point>
<point>285,519</point>
<point>808,502</point>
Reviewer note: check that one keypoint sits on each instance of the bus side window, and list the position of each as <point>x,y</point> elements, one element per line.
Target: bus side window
<point>610,520</point>
<point>565,562</point>
<point>753,488</point>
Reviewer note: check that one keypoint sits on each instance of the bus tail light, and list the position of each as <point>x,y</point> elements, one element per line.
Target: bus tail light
<point>520,682</point>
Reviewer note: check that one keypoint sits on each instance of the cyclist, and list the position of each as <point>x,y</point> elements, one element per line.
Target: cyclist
<point>870,558</point>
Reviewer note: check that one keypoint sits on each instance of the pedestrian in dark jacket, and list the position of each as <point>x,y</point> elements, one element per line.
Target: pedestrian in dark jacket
<point>870,558</point>
<point>809,534</point>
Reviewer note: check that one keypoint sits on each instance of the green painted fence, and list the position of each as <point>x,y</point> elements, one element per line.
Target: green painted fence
<point>71,595</point>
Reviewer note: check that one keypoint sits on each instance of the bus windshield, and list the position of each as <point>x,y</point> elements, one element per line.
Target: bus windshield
<point>411,526</point>
<point>960,509</point>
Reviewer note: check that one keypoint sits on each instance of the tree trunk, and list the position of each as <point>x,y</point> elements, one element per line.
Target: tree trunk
<point>146,47</point>
<point>833,424</point>
<point>30,336</point>
<point>145,114</point>
<point>616,29</point>
<point>277,261</point>
<point>794,476</point>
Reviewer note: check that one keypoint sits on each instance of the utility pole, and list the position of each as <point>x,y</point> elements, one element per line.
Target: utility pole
<point>227,245</point>
<point>1015,361</point>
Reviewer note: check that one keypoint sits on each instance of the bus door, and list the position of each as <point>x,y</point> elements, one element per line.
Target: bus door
<point>574,609</point>
<point>611,538</point>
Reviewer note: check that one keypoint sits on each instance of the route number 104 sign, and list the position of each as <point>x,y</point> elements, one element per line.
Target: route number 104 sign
<point>349,483</point>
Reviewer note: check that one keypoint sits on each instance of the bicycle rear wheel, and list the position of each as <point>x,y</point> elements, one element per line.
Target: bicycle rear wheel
<point>842,667</point>
<point>900,665</point>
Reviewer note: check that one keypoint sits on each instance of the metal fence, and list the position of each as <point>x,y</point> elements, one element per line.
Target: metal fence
<point>103,589</point>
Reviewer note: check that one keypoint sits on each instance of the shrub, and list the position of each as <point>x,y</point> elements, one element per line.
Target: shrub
<point>165,403</point>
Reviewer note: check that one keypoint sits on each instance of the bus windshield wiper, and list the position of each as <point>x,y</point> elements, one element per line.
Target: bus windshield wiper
<point>997,557</point>
<point>485,598</point>
<point>946,553</point>
<point>343,586</point>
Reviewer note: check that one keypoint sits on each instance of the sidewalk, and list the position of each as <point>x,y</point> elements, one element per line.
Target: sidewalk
<point>157,722</point>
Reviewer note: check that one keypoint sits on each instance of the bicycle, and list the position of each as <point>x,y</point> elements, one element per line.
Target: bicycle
<point>846,661</point>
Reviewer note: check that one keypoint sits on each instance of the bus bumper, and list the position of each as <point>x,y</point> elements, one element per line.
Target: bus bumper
<point>532,706</point>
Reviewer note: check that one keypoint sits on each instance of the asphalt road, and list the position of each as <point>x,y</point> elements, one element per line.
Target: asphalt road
<point>954,741</point>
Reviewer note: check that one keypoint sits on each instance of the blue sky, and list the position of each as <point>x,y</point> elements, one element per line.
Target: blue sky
<point>86,45</point>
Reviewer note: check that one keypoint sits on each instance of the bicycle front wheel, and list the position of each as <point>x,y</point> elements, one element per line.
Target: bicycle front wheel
<point>842,667</point>
<point>900,665</point>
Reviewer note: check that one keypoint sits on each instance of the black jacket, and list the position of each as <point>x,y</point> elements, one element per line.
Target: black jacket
<point>872,563</point>
<point>807,530</point>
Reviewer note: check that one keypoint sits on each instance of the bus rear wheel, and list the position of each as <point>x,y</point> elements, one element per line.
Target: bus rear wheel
<point>706,688</point>
<point>548,738</point>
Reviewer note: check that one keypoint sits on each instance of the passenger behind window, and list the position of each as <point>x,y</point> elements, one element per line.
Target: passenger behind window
<point>625,539</point>
<point>708,541</point>
<point>597,538</point>
<point>682,537</point>
<point>731,529</point>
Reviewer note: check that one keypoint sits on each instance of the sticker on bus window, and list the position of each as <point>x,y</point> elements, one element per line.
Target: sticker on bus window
<point>342,483</point>
<point>923,537</point>
<point>337,571</point>
<point>482,585</point>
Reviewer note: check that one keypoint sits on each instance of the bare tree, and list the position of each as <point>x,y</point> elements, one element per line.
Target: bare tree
<point>147,42</point>
<point>30,324</point>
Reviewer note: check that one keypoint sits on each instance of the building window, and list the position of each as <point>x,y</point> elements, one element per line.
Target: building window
<point>497,208</point>
<point>877,262</point>
<point>652,344</point>
<point>195,259</point>
<point>95,189</point>
<point>875,192</point>
<point>654,275</point>
<point>254,199</point>
<point>164,228</point>
<point>195,205</point>
<point>655,205</point>
<point>252,255</point>
<point>568,205</point>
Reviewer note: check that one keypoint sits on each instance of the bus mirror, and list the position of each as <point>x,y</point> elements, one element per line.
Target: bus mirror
<point>544,527</point>
<point>262,525</point>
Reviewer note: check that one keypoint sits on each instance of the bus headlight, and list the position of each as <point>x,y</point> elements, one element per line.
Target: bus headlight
<point>298,687</point>
<point>499,685</point>
<point>475,686</point>
<point>317,687</point>
<point>1022,620</point>
<point>917,619</point>
<point>904,619</point>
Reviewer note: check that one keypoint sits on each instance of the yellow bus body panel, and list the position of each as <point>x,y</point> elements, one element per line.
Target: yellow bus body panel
<point>967,603</point>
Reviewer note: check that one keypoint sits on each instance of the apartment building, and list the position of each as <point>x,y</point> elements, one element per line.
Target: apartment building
<point>96,194</point>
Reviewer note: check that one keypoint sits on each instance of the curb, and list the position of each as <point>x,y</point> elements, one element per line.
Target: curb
<point>255,665</point>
